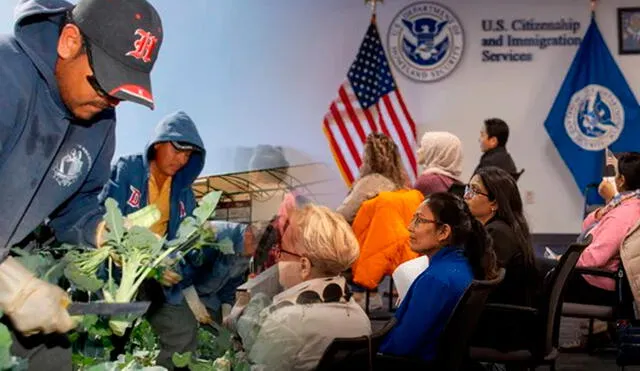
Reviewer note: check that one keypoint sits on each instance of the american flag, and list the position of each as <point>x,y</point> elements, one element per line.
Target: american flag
<point>369,101</point>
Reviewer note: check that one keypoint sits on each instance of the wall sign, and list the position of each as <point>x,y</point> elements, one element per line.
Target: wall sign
<point>516,40</point>
<point>425,41</point>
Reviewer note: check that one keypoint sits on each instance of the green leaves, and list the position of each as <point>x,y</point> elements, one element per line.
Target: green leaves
<point>42,264</point>
<point>181,360</point>
<point>6,360</point>
<point>145,217</point>
<point>207,207</point>
<point>114,222</point>
<point>81,268</point>
<point>83,281</point>
<point>187,229</point>
<point>142,238</point>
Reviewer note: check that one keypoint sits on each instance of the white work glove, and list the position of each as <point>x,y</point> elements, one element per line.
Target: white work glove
<point>197,307</point>
<point>229,318</point>
<point>33,306</point>
<point>226,311</point>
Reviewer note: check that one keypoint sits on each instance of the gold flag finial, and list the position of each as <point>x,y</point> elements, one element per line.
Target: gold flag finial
<point>374,4</point>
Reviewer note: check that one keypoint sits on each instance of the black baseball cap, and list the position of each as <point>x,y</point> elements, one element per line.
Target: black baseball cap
<point>124,38</point>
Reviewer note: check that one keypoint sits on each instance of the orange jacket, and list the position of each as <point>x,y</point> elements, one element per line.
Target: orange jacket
<point>381,229</point>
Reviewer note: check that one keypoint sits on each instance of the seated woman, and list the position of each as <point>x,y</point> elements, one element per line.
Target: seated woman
<point>381,170</point>
<point>608,226</point>
<point>272,232</point>
<point>459,250</point>
<point>440,155</point>
<point>494,200</point>
<point>316,307</point>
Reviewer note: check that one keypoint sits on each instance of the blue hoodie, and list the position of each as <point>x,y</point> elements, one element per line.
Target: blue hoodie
<point>52,166</point>
<point>129,183</point>
<point>220,275</point>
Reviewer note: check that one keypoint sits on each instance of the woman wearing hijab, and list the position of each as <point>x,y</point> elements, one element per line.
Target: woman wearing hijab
<point>440,155</point>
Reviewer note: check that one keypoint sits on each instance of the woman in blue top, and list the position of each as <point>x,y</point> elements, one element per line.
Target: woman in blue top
<point>459,250</point>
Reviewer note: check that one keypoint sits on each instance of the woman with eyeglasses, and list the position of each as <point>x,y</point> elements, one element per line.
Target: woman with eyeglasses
<point>494,200</point>
<point>315,307</point>
<point>459,251</point>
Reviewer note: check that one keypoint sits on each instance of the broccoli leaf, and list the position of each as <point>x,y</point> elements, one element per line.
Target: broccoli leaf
<point>6,360</point>
<point>181,360</point>
<point>145,217</point>
<point>141,238</point>
<point>207,206</point>
<point>143,338</point>
<point>83,281</point>
<point>114,221</point>
<point>186,229</point>
<point>41,263</point>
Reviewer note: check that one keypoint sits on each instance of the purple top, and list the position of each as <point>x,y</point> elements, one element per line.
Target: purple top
<point>433,183</point>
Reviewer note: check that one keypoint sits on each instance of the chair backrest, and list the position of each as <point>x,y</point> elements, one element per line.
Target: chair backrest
<point>457,333</point>
<point>550,307</point>
<point>353,353</point>
<point>517,175</point>
<point>625,308</point>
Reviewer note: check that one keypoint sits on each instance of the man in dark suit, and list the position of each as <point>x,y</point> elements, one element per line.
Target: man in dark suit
<point>493,141</point>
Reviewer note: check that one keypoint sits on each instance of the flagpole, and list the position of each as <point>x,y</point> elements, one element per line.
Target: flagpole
<point>374,5</point>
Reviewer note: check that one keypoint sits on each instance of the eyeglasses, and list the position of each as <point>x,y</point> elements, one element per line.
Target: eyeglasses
<point>418,220</point>
<point>279,251</point>
<point>471,192</point>
<point>96,86</point>
<point>92,79</point>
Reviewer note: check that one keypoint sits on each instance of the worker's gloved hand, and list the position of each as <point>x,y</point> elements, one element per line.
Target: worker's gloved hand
<point>170,278</point>
<point>197,307</point>
<point>33,306</point>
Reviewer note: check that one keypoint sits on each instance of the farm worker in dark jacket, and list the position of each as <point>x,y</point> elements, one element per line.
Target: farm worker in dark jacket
<point>162,175</point>
<point>63,71</point>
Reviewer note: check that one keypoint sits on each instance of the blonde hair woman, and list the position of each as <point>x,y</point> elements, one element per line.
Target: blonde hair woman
<point>381,170</point>
<point>316,307</point>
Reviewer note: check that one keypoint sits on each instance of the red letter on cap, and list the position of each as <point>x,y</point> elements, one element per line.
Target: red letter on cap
<point>143,46</point>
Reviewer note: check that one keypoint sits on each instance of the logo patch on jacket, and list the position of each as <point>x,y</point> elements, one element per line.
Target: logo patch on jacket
<point>72,165</point>
<point>134,198</point>
<point>183,211</point>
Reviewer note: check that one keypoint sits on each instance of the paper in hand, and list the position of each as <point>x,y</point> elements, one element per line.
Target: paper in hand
<point>610,164</point>
<point>610,168</point>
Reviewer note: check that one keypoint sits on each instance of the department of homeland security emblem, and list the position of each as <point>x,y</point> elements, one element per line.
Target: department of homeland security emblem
<point>425,41</point>
<point>72,165</point>
<point>594,118</point>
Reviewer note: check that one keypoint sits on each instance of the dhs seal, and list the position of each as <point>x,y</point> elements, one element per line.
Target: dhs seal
<point>73,164</point>
<point>594,118</point>
<point>425,41</point>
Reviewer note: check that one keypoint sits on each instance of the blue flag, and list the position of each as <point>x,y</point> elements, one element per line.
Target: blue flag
<point>594,109</point>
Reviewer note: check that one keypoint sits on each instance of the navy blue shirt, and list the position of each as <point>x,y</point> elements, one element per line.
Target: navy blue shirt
<point>52,165</point>
<point>428,305</point>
